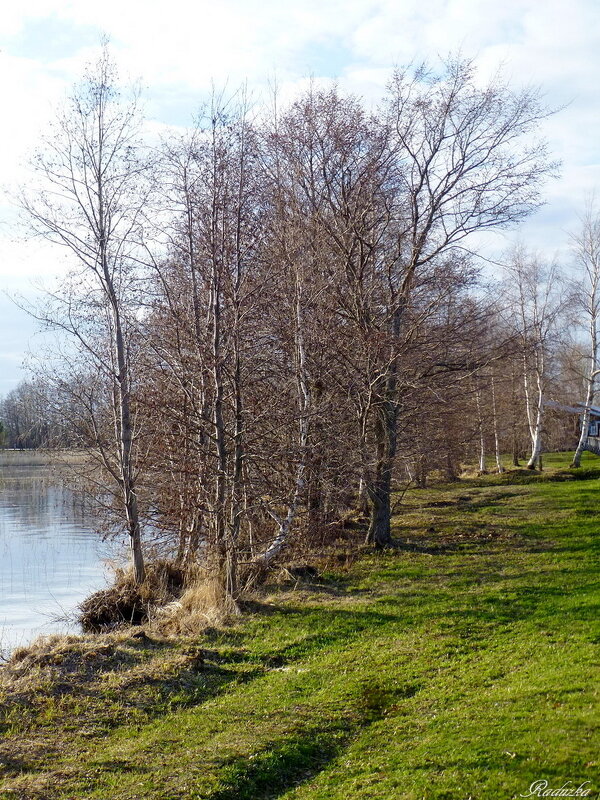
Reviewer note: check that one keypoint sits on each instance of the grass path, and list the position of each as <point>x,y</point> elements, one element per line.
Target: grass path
<point>464,665</point>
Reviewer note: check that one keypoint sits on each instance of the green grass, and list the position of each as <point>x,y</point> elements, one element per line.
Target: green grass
<point>463,665</point>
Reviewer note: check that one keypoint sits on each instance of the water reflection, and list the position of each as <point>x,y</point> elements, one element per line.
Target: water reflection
<point>50,558</point>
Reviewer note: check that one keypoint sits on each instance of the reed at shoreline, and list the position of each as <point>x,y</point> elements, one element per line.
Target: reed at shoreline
<point>40,458</point>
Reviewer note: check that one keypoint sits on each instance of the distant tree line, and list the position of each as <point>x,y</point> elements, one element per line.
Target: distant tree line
<point>28,420</point>
<point>277,317</point>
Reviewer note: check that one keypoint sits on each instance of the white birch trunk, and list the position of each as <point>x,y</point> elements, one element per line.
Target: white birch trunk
<point>285,525</point>
<point>528,400</point>
<point>482,468</point>
<point>585,424</point>
<point>594,277</point>
<point>499,466</point>
<point>536,436</point>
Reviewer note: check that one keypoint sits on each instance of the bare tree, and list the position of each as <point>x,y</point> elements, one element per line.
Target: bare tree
<point>494,408</point>
<point>586,245</point>
<point>467,161</point>
<point>209,294</point>
<point>391,196</point>
<point>28,419</point>
<point>89,200</point>
<point>538,302</point>
<point>309,293</point>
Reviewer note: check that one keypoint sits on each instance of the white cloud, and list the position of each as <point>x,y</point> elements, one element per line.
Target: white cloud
<point>29,97</point>
<point>30,265</point>
<point>179,48</point>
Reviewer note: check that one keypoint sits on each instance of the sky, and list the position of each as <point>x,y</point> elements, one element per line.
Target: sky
<point>180,49</point>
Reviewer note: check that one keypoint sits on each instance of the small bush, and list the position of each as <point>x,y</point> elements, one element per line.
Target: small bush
<point>126,603</point>
<point>121,603</point>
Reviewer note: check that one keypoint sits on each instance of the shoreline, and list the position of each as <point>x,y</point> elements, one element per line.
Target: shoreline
<point>41,458</point>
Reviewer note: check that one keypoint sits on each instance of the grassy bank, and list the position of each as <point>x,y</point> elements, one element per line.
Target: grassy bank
<point>463,665</point>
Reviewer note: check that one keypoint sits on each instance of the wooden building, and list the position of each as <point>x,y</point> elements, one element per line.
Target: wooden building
<point>593,432</point>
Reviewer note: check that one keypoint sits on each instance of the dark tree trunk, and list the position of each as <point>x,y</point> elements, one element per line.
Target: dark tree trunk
<point>451,469</point>
<point>380,488</point>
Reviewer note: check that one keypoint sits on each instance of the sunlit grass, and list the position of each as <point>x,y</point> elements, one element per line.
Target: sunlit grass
<point>463,664</point>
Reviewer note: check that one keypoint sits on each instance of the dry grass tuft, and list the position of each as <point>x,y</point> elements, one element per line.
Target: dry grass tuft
<point>50,664</point>
<point>203,603</point>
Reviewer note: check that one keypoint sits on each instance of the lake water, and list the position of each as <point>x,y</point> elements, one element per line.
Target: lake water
<point>50,558</point>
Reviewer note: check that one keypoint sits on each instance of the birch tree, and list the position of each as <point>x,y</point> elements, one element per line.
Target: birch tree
<point>538,302</point>
<point>586,246</point>
<point>494,408</point>
<point>88,198</point>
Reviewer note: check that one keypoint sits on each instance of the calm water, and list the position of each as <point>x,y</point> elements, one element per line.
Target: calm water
<point>50,559</point>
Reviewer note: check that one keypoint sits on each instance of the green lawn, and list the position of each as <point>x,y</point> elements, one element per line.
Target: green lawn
<point>463,665</point>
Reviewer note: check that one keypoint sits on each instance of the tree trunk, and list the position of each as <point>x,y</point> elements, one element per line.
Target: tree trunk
<point>590,392</point>
<point>514,422</point>
<point>135,541</point>
<point>304,407</point>
<point>124,428</point>
<point>224,562</point>
<point>379,533</point>
<point>536,432</point>
<point>482,469</point>
<point>499,467</point>
<point>588,249</point>
<point>386,434</point>
<point>585,423</point>
<point>450,466</point>
<point>362,500</point>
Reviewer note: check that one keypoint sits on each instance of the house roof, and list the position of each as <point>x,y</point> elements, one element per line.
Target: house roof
<point>579,407</point>
<point>593,409</point>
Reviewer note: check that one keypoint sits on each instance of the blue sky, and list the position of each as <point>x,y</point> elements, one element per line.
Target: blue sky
<point>178,49</point>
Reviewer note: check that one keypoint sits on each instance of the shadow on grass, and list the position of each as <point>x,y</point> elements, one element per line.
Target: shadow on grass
<point>450,539</point>
<point>523,603</point>
<point>230,664</point>
<point>297,759</point>
<point>11,765</point>
<point>272,773</point>
<point>328,629</point>
<point>520,477</point>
